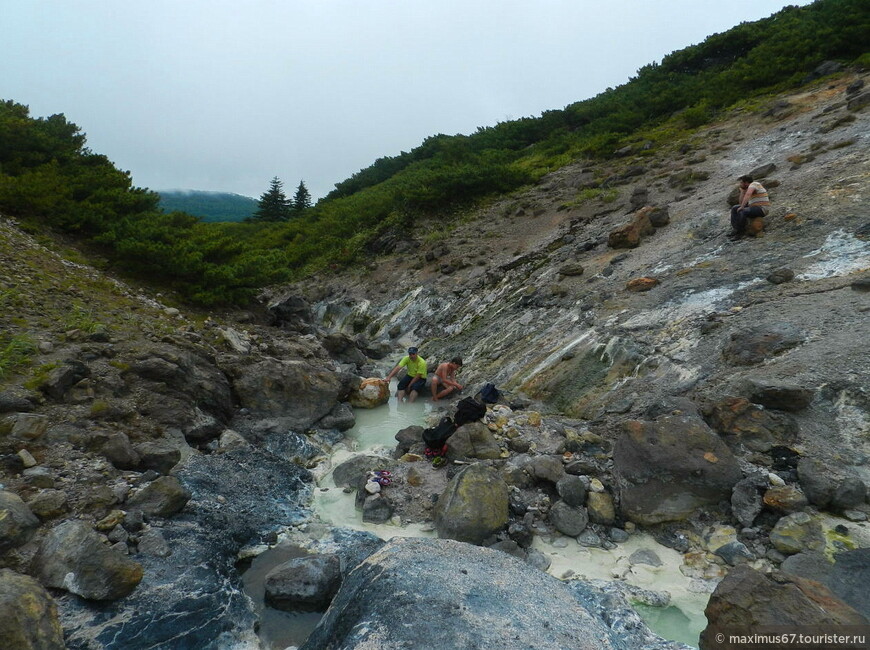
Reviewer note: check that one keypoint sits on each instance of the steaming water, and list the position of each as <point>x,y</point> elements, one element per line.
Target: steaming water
<point>375,432</point>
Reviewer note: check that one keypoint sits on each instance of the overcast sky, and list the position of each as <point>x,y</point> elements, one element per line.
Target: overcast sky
<point>223,95</point>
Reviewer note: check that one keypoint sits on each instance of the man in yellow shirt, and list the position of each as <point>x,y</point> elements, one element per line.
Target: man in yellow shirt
<point>414,380</point>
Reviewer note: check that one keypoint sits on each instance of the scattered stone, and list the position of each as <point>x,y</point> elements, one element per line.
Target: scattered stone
<point>618,535</point>
<point>601,508</point>
<point>159,455</point>
<point>638,285</point>
<point>753,346</point>
<point>739,421</point>
<point>73,557</point>
<point>473,506</point>
<point>25,426</point>
<point>546,467</point>
<point>734,553</point>
<point>28,615</point>
<point>630,235</point>
<point>572,490</point>
<point>568,520</point>
<point>780,276</point>
<point>645,556</point>
<point>27,459</point>
<point>473,440</point>
<point>376,510</point>
<point>785,397</point>
<point>589,538</point>
<point>786,498</point>
<point>48,504</point>
<point>797,532</point>
<point>572,269</point>
<point>746,499</point>
<point>17,523</point>
<point>161,498</point>
<point>120,452</point>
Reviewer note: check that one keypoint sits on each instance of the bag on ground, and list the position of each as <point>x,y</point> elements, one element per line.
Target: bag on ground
<point>468,409</point>
<point>490,394</point>
<point>436,436</point>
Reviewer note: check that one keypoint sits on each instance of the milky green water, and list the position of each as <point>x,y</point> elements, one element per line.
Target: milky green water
<point>375,433</point>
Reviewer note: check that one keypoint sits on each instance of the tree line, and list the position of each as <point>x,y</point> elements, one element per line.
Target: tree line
<point>50,179</point>
<point>274,205</point>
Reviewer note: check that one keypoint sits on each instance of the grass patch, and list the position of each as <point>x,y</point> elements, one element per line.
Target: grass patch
<point>15,353</point>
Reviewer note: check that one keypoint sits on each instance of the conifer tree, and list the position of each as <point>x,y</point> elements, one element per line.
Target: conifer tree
<point>302,199</point>
<point>273,204</point>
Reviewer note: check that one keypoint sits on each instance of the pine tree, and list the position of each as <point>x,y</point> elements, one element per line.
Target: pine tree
<point>273,204</point>
<point>301,200</point>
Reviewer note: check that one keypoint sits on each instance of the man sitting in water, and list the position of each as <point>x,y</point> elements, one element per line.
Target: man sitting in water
<point>445,379</point>
<point>414,380</point>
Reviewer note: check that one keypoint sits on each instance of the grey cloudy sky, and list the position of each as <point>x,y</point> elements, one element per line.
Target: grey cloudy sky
<point>224,95</point>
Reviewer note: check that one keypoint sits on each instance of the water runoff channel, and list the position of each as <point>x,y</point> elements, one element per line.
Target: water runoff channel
<point>374,433</point>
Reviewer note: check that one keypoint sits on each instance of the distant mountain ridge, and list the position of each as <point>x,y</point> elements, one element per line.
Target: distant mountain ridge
<point>209,206</point>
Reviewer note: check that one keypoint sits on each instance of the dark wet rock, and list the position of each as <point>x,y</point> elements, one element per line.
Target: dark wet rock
<point>746,498</point>
<point>797,532</point>
<point>341,417</point>
<point>424,581</point>
<point>572,489</point>
<point>73,557</point>
<point>568,520</point>
<point>571,269</point>
<point>740,422</point>
<point>292,389</point>
<point>473,506</point>
<point>857,102</point>
<point>28,615</point>
<point>163,497</point>
<point>748,600</point>
<point>590,539</point>
<point>304,584</point>
<point>666,469</point>
<point>826,487</point>
<point>17,523</point>
<point>62,378</point>
<point>785,397</point>
<point>352,472</point>
<point>521,534</point>
<point>158,455</point>
<point>639,198</point>
<point>645,556</point>
<point>752,346</point>
<point>618,535</point>
<point>473,440</point>
<point>734,553</point>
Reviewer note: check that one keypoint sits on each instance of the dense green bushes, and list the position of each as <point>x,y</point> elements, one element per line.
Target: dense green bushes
<point>48,177</point>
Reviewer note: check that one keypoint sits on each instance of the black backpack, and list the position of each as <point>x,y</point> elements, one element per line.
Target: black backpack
<point>436,436</point>
<point>468,409</point>
<point>490,394</point>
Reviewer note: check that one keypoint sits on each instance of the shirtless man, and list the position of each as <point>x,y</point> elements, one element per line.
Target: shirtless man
<point>445,379</point>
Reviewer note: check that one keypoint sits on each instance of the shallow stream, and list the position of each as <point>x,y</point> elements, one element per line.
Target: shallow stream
<point>374,433</point>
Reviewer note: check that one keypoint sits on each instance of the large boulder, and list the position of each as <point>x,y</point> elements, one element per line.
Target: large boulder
<point>370,393</point>
<point>473,440</point>
<point>73,557</point>
<point>754,345</point>
<point>17,522</point>
<point>748,600</point>
<point>28,615</point>
<point>291,389</point>
<point>424,593</point>
<point>304,583</point>
<point>474,505</point>
<point>666,469</point>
